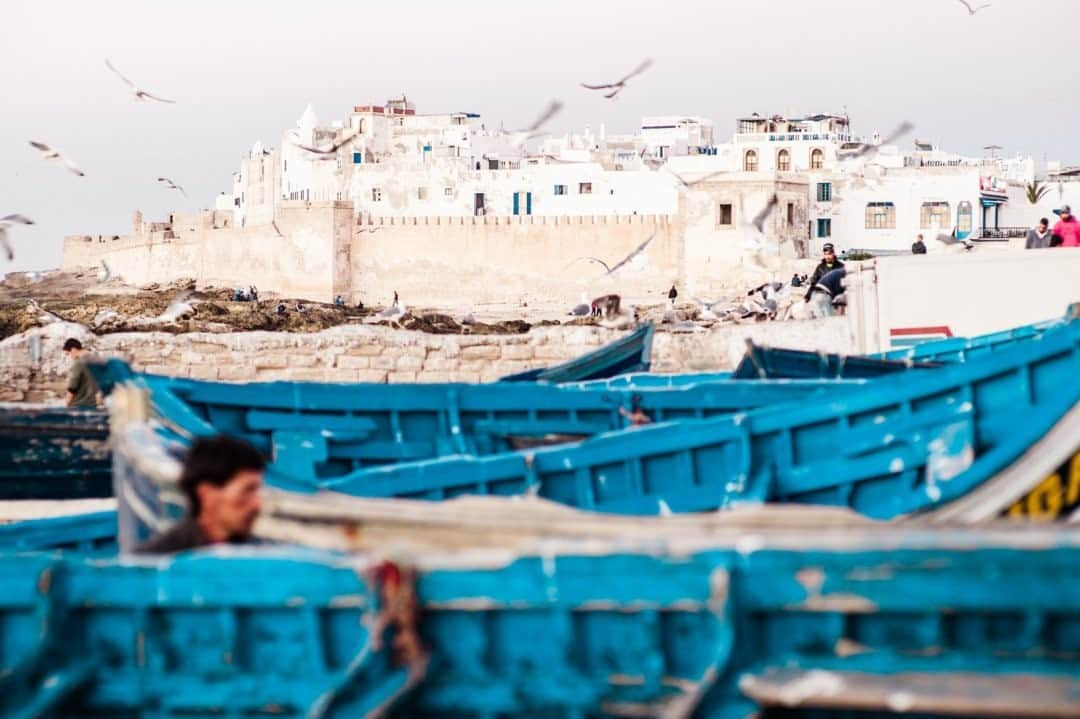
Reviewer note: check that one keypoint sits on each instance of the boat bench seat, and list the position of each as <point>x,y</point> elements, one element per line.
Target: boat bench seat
<point>865,452</point>
<point>277,421</point>
<point>535,428</point>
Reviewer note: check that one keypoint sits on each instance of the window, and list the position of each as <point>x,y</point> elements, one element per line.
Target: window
<point>783,161</point>
<point>584,188</point>
<point>723,215</point>
<point>936,215</point>
<point>376,194</point>
<point>750,162</point>
<point>357,158</point>
<point>790,213</point>
<point>817,158</point>
<point>824,192</point>
<point>880,216</point>
<point>286,167</point>
<point>448,191</point>
<point>421,193</point>
<point>560,189</point>
<point>963,219</point>
<point>824,227</point>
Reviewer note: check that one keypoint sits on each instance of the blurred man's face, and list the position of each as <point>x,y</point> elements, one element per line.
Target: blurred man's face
<point>830,256</point>
<point>1043,227</point>
<point>232,510</point>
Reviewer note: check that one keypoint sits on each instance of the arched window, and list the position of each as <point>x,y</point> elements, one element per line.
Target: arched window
<point>750,161</point>
<point>783,161</point>
<point>817,159</point>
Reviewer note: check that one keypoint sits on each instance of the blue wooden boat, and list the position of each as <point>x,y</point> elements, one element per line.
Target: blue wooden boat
<point>51,452</point>
<point>366,425</point>
<point>894,447</point>
<point>889,448</point>
<point>932,623</point>
<point>86,533</point>
<point>960,349</point>
<point>629,354</point>
<point>775,363</point>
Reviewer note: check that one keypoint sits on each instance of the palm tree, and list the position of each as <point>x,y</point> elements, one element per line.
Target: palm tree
<point>1035,191</point>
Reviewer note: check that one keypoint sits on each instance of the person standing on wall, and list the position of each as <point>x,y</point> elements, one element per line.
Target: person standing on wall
<point>82,389</point>
<point>1039,236</point>
<point>1067,228</point>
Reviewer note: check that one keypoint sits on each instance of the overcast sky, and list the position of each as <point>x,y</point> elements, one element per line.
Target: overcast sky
<point>243,71</point>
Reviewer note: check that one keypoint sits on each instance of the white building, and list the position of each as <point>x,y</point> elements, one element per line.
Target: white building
<point>393,162</point>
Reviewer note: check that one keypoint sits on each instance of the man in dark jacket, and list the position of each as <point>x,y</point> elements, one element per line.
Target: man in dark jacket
<point>827,289</point>
<point>918,247</point>
<point>222,480</point>
<point>828,264</point>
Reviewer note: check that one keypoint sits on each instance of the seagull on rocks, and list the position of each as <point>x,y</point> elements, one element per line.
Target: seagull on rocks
<point>51,154</point>
<point>43,315</point>
<point>582,309</point>
<point>172,185</point>
<point>616,87</point>
<point>138,92</point>
<point>180,307</point>
<point>707,311</point>
<point>5,223</point>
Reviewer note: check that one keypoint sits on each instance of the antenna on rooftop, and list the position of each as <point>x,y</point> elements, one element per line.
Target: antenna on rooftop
<point>993,150</point>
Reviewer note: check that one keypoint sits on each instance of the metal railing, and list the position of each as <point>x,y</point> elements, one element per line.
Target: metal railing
<point>994,234</point>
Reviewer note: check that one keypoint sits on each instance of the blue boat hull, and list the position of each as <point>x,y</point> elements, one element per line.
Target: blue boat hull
<point>872,621</point>
<point>904,444</point>
<point>53,453</point>
<point>629,354</point>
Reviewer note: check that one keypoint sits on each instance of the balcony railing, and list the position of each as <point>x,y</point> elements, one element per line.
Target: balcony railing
<point>1000,234</point>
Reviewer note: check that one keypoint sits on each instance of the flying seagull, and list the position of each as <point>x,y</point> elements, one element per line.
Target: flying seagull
<point>617,87</point>
<point>688,184</point>
<point>53,155</point>
<point>759,219</point>
<point>328,149</point>
<point>6,222</point>
<point>139,93</point>
<point>952,241</point>
<point>171,185</point>
<point>971,10</point>
<point>180,307</point>
<point>754,242</point>
<point>865,148</point>
<point>612,269</point>
<point>520,137</point>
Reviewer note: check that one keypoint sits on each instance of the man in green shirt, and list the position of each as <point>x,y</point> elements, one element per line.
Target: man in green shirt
<point>82,389</point>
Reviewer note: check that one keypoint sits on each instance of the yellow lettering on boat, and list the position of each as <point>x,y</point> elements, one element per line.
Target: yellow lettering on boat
<point>1044,502</point>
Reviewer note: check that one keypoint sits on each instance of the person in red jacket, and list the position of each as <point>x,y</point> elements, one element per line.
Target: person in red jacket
<point>1067,228</point>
